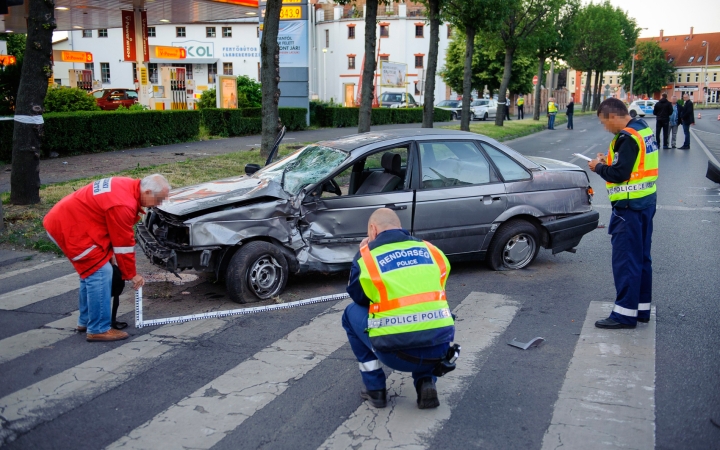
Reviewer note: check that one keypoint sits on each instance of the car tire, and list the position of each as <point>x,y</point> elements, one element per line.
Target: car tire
<point>485,117</point>
<point>257,271</point>
<point>472,116</point>
<point>633,114</point>
<point>514,246</point>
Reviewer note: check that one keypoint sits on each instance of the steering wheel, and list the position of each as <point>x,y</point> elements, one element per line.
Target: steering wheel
<point>336,187</point>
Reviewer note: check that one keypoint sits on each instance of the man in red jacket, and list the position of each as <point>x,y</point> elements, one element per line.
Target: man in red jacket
<point>93,225</point>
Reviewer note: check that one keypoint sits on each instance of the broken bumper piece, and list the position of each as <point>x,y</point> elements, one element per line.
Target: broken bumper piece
<point>565,234</point>
<point>205,259</point>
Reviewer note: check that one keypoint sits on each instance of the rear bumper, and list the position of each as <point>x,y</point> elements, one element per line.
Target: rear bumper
<point>205,259</point>
<point>566,233</point>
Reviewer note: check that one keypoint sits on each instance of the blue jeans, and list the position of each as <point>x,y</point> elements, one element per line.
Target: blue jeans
<point>570,122</point>
<point>95,302</point>
<point>631,232</point>
<point>686,130</point>
<point>354,321</point>
<point>551,121</point>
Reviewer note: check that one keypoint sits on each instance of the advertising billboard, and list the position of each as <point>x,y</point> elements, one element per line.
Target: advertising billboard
<point>227,92</point>
<point>393,74</point>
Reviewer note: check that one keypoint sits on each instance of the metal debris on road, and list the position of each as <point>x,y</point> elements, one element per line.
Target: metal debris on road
<point>526,345</point>
<point>176,279</point>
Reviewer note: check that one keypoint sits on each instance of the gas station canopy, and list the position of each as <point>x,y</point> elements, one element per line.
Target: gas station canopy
<point>94,14</point>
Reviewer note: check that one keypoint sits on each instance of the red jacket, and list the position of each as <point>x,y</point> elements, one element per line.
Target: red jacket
<point>95,222</point>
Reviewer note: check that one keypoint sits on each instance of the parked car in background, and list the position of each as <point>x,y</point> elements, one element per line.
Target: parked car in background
<point>397,100</point>
<point>484,108</point>
<point>454,106</point>
<point>641,108</point>
<point>468,194</point>
<point>111,99</point>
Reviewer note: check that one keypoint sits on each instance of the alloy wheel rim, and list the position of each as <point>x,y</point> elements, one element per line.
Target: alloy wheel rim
<point>518,251</point>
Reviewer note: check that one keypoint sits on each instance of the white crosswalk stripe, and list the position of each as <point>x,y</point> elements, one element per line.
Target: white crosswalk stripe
<point>481,319</point>
<point>52,262</point>
<point>32,294</point>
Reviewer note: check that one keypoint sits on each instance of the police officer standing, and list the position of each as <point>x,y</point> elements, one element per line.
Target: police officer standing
<point>399,316</point>
<point>551,112</point>
<point>630,170</point>
<point>520,107</point>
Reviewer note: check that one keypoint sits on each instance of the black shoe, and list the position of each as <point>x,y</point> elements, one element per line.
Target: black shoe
<point>377,398</point>
<point>666,148</point>
<point>684,148</point>
<point>611,324</point>
<point>643,320</point>
<point>427,394</point>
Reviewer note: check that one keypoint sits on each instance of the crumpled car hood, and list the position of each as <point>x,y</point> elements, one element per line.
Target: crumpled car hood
<point>553,164</point>
<point>212,194</point>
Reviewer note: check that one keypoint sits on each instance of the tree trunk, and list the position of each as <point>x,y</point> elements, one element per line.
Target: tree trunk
<point>368,76</point>
<point>429,84</point>
<point>28,125</point>
<point>536,106</point>
<point>500,115</point>
<point>270,77</point>
<point>586,97</point>
<point>467,79</point>
<point>551,84</point>
<point>595,90</point>
<point>599,90</point>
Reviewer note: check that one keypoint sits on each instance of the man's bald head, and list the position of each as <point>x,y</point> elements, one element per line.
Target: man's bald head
<point>382,219</point>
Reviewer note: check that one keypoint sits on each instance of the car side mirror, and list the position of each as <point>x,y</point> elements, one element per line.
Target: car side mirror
<point>251,168</point>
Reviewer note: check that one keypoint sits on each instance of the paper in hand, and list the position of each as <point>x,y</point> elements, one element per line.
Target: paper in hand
<point>582,156</point>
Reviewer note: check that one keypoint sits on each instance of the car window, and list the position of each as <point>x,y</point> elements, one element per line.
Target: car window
<point>412,99</point>
<point>509,169</point>
<point>116,95</point>
<point>304,167</point>
<point>132,94</point>
<point>446,164</point>
<point>371,164</point>
<point>98,94</point>
<point>391,97</point>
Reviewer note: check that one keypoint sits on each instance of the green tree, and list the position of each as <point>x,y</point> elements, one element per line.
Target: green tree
<point>15,43</point>
<point>251,90</point>
<point>67,99</point>
<point>652,69</point>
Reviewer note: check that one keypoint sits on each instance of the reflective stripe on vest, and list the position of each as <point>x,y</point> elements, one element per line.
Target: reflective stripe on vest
<point>645,171</point>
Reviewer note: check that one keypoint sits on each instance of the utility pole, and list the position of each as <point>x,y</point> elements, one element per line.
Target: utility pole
<point>551,78</point>
<point>632,75</point>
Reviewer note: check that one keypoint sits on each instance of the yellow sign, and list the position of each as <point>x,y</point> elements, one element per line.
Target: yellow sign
<point>143,76</point>
<point>292,1</point>
<point>290,12</point>
<point>6,60</point>
<point>75,57</point>
<point>163,52</point>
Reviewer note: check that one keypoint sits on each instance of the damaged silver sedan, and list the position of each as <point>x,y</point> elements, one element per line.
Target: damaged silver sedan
<point>468,194</point>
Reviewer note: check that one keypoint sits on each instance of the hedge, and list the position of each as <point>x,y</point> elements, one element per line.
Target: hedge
<point>338,117</point>
<point>241,122</point>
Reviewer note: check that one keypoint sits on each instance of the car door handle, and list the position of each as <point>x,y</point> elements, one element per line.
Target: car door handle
<point>395,207</point>
<point>487,199</point>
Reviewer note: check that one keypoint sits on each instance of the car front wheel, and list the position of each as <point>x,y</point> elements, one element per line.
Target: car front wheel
<point>633,114</point>
<point>257,271</point>
<point>514,246</point>
<point>485,117</point>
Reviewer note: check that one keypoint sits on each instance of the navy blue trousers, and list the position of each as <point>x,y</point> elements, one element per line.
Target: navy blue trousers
<point>631,232</point>
<point>355,321</point>
<point>686,131</point>
<point>551,121</point>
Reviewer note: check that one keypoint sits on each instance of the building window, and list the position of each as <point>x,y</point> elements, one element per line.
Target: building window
<point>687,78</point>
<point>417,91</point>
<point>384,57</point>
<point>700,58</point>
<point>102,32</point>
<point>691,59</point>
<point>87,33</point>
<point>717,58</point>
<point>135,75</point>
<point>258,31</point>
<point>351,62</point>
<point>153,72</point>
<point>327,38</point>
<point>151,32</point>
<point>449,33</point>
<point>58,81</point>
<point>91,68</point>
<point>679,78</point>
<point>419,31</point>
<point>210,32</point>
<point>212,73</point>
<point>714,76</point>
<point>697,77</point>
<point>188,70</point>
<point>351,32</point>
<point>227,69</point>
<point>418,61</point>
<point>105,72</point>
<point>179,31</point>
<point>384,31</point>
<point>227,31</point>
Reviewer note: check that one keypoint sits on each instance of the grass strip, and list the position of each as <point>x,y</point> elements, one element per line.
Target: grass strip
<point>514,129</point>
<point>24,222</point>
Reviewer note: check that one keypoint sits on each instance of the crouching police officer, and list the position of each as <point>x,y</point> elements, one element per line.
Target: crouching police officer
<point>399,316</point>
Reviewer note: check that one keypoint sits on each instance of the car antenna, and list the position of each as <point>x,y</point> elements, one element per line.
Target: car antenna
<point>274,150</point>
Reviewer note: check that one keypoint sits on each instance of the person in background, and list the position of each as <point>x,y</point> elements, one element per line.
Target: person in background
<point>674,121</point>
<point>520,107</point>
<point>551,112</point>
<point>662,110</point>
<point>687,118</point>
<point>570,111</point>
<point>507,108</point>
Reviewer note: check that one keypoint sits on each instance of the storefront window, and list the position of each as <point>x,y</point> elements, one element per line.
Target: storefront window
<point>227,68</point>
<point>212,73</point>
<point>153,72</point>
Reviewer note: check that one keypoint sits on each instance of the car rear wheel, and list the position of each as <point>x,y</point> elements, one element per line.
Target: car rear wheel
<point>454,116</point>
<point>257,271</point>
<point>633,114</point>
<point>485,117</point>
<point>514,246</point>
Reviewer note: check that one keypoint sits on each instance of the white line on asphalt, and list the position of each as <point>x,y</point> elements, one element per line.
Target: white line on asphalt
<point>45,400</point>
<point>481,319</point>
<point>202,419</point>
<point>707,151</point>
<point>23,343</point>
<point>608,396</point>
<point>41,291</point>
<point>30,269</point>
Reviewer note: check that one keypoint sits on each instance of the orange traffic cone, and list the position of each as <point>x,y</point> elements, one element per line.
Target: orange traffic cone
<point>699,116</point>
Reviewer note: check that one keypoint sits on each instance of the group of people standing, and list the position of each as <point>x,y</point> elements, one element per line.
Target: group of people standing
<point>671,114</point>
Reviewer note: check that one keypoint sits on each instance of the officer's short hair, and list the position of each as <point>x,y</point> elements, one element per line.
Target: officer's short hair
<point>664,95</point>
<point>612,105</point>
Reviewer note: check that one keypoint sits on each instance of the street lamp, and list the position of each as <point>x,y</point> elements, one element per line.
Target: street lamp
<point>632,70</point>
<point>707,94</point>
<point>325,74</point>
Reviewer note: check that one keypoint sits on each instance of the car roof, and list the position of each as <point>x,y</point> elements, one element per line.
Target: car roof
<point>356,141</point>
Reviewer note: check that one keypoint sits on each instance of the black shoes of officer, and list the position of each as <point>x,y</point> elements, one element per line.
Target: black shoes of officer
<point>427,394</point>
<point>611,324</point>
<point>684,148</point>
<point>643,320</point>
<point>376,398</point>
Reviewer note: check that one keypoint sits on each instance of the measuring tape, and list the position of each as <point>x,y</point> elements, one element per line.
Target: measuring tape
<point>140,323</point>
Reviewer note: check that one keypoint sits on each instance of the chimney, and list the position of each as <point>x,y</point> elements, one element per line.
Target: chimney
<point>691,32</point>
<point>661,35</point>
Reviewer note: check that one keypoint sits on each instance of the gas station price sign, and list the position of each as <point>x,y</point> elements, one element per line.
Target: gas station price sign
<point>75,57</point>
<point>290,13</point>
<point>165,52</point>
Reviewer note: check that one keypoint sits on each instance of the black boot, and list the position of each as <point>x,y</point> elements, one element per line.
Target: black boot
<point>376,398</point>
<point>611,324</point>
<point>426,394</point>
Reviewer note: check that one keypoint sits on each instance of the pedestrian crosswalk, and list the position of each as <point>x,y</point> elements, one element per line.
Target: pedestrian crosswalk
<point>607,397</point>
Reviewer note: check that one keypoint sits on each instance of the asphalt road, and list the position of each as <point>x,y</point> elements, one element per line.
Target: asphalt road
<point>239,382</point>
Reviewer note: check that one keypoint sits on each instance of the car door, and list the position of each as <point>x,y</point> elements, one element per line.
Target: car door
<point>131,97</point>
<point>458,196</point>
<point>333,225</point>
<point>492,108</point>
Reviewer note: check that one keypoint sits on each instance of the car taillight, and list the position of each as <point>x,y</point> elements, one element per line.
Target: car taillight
<point>590,193</point>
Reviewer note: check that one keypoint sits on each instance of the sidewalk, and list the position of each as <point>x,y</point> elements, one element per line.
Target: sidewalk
<point>88,165</point>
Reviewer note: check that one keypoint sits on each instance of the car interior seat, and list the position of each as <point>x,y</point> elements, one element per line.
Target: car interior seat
<point>387,180</point>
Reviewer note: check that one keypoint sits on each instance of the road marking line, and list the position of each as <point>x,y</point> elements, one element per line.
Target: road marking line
<point>46,400</point>
<point>23,343</point>
<point>707,151</point>
<point>30,269</point>
<point>202,419</point>
<point>482,318</point>
<point>608,396</point>
<point>32,294</point>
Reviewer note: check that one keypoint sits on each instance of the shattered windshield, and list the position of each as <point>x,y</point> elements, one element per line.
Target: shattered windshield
<point>304,167</point>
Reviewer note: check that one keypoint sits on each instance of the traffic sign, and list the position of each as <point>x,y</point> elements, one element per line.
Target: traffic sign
<point>535,80</point>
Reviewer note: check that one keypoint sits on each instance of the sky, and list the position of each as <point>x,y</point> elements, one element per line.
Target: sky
<point>675,17</point>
